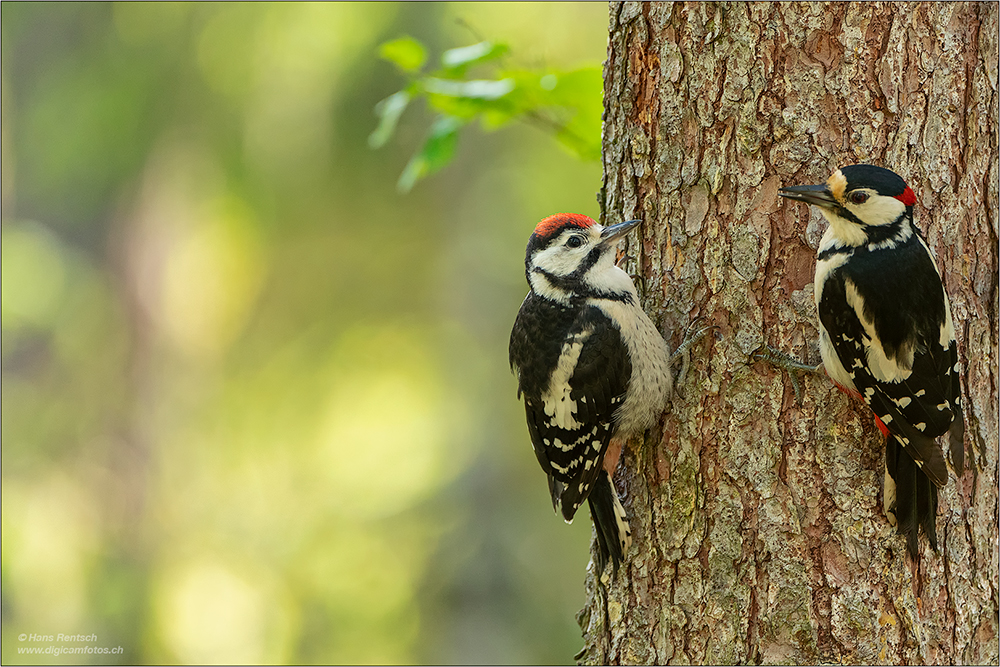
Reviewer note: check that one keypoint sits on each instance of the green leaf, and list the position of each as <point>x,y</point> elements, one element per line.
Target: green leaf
<point>527,95</point>
<point>581,90</point>
<point>437,151</point>
<point>478,89</point>
<point>565,104</point>
<point>474,54</point>
<point>496,117</point>
<point>466,108</point>
<point>406,53</point>
<point>388,110</point>
<point>468,99</point>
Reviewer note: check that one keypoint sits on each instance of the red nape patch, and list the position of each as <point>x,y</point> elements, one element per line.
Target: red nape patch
<point>552,224</point>
<point>878,422</point>
<point>908,198</point>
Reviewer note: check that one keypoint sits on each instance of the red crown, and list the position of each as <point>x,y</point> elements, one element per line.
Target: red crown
<point>552,224</point>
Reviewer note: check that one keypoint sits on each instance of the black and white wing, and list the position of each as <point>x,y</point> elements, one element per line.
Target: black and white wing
<point>909,378</point>
<point>570,403</point>
<point>915,399</point>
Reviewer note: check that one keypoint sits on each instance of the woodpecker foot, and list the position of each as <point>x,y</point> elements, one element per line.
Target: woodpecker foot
<point>624,258</point>
<point>681,353</point>
<point>787,362</point>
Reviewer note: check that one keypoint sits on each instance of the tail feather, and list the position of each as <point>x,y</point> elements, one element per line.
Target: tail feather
<point>927,509</point>
<point>613,533</point>
<point>915,504</point>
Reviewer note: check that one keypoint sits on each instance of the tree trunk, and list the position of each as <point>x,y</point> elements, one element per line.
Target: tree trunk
<point>757,518</point>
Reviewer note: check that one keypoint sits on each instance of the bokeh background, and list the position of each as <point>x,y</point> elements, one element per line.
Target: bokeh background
<point>256,403</point>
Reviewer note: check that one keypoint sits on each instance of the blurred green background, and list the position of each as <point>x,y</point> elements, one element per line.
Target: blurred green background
<point>256,403</point>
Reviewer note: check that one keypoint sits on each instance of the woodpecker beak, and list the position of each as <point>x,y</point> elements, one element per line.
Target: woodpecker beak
<point>612,233</point>
<point>818,195</point>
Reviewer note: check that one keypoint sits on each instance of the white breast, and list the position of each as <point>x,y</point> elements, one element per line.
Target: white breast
<point>651,382</point>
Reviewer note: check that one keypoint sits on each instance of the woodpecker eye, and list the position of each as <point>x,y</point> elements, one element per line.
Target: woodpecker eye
<point>574,241</point>
<point>858,197</point>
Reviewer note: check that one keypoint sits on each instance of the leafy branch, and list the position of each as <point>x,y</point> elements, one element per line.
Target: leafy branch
<point>567,103</point>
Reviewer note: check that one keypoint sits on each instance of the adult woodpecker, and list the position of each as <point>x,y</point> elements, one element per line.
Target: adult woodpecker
<point>886,334</point>
<point>591,366</point>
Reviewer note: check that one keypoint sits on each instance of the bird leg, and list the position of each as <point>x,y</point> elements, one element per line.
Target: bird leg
<point>682,352</point>
<point>789,363</point>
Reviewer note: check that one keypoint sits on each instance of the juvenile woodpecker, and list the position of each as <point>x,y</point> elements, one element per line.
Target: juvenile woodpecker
<point>591,366</point>
<point>886,334</point>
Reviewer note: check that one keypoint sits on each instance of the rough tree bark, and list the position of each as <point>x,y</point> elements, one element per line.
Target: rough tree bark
<point>758,523</point>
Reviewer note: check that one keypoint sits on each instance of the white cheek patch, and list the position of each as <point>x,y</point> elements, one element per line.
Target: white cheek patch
<point>877,210</point>
<point>560,260</point>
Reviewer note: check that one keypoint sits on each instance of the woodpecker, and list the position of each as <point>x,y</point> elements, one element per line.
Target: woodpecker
<point>886,334</point>
<point>591,366</point>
